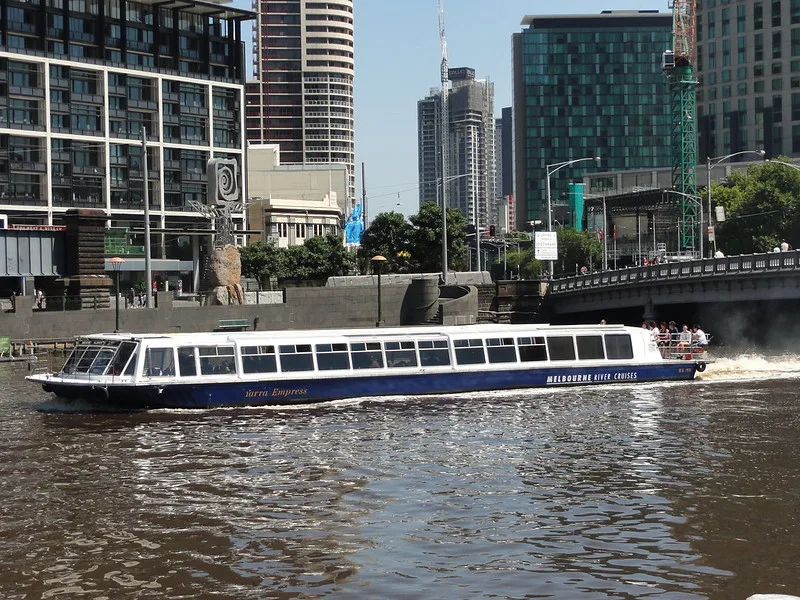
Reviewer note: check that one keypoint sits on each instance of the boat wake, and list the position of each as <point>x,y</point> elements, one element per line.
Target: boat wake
<point>752,367</point>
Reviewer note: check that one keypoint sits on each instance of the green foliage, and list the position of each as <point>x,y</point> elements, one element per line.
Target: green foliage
<point>425,246</point>
<point>523,263</point>
<point>581,248</point>
<point>328,257</point>
<point>387,235</point>
<point>261,260</point>
<point>319,258</point>
<point>762,208</point>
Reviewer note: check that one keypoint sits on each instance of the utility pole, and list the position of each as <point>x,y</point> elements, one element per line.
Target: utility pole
<point>364,196</point>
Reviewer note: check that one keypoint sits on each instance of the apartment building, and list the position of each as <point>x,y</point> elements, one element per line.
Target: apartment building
<point>302,96</point>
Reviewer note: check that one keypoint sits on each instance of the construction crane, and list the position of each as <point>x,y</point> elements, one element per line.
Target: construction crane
<point>678,65</point>
<point>444,128</point>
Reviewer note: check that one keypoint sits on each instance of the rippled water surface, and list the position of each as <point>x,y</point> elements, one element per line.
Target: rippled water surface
<point>680,491</point>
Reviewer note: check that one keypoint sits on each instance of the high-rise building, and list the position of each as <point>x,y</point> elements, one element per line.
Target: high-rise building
<point>302,98</point>
<point>80,81</point>
<point>586,86</point>
<point>504,171</point>
<point>471,178</point>
<point>748,66</point>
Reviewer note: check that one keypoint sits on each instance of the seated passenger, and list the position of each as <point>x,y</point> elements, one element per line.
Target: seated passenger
<point>699,336</point>
<point>685,339</point>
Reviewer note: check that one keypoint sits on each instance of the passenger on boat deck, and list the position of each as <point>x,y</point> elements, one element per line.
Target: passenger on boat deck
<point>674,332</point>
<point>653,331</point>
<point>699,336</point>
<point>663,334</point>
<point>685,339</point>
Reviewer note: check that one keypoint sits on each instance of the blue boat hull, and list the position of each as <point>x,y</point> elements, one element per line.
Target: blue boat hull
<point>283,392</point>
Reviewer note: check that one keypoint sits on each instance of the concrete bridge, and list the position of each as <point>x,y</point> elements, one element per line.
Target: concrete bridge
<point>760,289</point>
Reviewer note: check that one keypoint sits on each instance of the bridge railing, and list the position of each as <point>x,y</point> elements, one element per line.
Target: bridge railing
<point>768,262</point>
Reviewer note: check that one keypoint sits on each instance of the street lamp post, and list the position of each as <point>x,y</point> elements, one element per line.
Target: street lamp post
<point>710,164</point>
<point>444,182</point>
<point>551,169</point>
<point>148,272</point>
<point>377,265</point>
<point>116,263</point>
<point>699,203</point>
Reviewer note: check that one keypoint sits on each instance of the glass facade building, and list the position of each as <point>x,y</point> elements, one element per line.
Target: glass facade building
<point>748,64</point>
<point>585,86</point>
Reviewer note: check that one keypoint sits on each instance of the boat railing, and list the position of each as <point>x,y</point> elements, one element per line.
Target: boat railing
<point>676,348</point>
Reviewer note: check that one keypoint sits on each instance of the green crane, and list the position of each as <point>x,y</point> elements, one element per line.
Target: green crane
<point>678,66</point>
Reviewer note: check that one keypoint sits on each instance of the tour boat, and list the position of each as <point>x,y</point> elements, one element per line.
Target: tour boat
<point>251,368</point>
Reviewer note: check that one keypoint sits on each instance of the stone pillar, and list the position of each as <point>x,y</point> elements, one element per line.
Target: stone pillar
<point>86,285</point>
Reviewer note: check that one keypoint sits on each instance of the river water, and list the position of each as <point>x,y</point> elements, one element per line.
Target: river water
<point>679,491</point>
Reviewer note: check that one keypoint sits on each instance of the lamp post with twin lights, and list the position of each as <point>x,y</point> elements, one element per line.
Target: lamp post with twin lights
<point>551,169</point>
<point>443,183</point>
<point>710,164</point>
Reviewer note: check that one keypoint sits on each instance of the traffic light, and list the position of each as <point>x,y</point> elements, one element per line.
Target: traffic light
<point>492,230</point>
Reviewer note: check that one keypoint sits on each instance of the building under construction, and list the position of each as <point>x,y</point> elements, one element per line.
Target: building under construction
<point>470,174</point>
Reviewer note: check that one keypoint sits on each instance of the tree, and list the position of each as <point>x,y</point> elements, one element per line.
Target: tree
<point>581,248</point>
<point>426,239</point>
<point>523,263</point>
<point>762,208</point>
<point>297,263</point>
<point>327,257</point>
<point>388,235</point>
<point>261,260</point>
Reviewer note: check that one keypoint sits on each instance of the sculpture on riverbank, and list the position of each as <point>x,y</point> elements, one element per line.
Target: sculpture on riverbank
<point>225,265</point>
<point>224,274</point>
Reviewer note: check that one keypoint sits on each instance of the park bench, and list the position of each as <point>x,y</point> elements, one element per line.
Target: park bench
<point>233,324</point>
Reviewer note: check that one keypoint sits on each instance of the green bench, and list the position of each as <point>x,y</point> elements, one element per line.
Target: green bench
<point>233,324</point>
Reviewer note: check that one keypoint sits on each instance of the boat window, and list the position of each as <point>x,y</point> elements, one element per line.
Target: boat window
<point>91,356</point>
<point>433,353</point>
<point>501,350</point>
<point>121,359</point>
<point>561,347</point>
<point>102,361</point>
<point>131,368</point>
<point>216,360</point>
<point>331,357</point>
<point>159,362</point>
<point>366,355</point>
<point>186,361</point>
<point>590,347</point>
<point>86,359</point>
<point>72,360</point>
<point>401,354</point>
<point>469,352</point>
<point>259,359</point>
<point>532,349</point>
<point>618,347</point>
<point>296,357</point>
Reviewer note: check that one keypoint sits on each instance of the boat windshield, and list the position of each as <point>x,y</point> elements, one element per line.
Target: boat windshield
<point>98,357</point>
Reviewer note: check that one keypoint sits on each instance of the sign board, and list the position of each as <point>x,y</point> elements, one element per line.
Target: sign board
<point>545,245</point>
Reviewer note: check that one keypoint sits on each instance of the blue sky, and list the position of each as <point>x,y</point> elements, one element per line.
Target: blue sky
<point>397,63</point>
<point>397,58</point>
